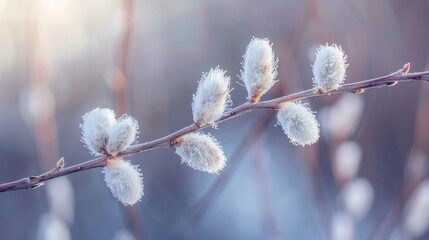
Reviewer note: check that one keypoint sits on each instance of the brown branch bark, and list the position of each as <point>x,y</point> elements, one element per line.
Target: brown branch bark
<point>393,79</point>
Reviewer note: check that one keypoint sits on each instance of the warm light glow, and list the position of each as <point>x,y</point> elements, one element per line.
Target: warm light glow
<point>69,28</point>
<point>2,4</point>
<point>53,5</point>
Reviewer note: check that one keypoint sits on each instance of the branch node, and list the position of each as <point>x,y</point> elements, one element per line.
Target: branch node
<point>319,91</point>
<point>360,91</point>
<point>176,141</point>
<point>37,185</point>
<point>256,97</point>
<point>33,179</point>
<point>406,68</point>
<point>391,84</point>
<point>60,164</point>
<point>112,160</point>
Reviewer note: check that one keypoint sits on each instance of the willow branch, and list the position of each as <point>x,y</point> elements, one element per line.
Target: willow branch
<point>168,141</point>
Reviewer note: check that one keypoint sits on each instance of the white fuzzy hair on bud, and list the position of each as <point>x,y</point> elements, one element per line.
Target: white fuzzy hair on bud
<point>329,68</point>
<point>125,181</point>
<point>212,97</point>
<point>122,135</point>
<point>96,128</point>
<point>201,152</point>
<point>259,68</point>
<point>298,123</point>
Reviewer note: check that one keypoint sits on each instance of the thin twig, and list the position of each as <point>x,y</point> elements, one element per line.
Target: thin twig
<point>274,104</point>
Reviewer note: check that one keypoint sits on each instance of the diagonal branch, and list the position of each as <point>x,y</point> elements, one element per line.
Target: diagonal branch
<point>168,141</point>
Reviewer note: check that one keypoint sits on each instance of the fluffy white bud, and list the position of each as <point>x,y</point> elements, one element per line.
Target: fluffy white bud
<point>212,97</point>
<point>61,198</point>
<point>96,127</point>
<point>345,115</point>
<point>201,152</point>
<point>125,181</point>
<point>357,196</point>
<point>259,68</point>
<point>298,123</point>
<point>347,160</point>
<point>52,228</point>
<point>122,135</point>
<point>417,165</point>
<point>123,234</point>
<point>342,226</point>
<point>329,68</point>
<point>416,220</point>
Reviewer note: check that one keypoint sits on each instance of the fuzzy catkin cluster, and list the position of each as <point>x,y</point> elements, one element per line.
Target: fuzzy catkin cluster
<point>298,123</point>
<point>329,68</point>
<point>103,134</point>
<point>212,97</point>
<point>259,68</point>
<point>201,152</point>
<point>125,181</point>
<point>122,135</point>
<point>329,72</point>
<point>96,128</point>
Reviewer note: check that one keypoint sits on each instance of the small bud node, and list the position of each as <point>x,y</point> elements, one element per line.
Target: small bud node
<point>112,160</point>
<point>255,98</point>
<point>391,84</point>
<point>406,68</point>
<point>37,185</point>
<point>176,141</point>
<point>360,91</point>
<point>60,164</point>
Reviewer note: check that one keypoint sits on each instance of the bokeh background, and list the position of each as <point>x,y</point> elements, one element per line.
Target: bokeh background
<point>61,58</point>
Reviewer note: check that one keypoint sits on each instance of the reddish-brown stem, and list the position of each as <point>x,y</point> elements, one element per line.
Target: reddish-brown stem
<point>273,104</point>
